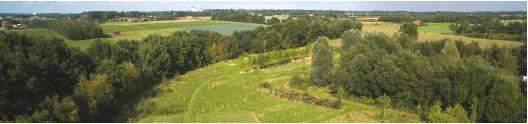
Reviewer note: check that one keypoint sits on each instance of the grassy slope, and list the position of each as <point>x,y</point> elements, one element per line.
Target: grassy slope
<point>391,28</point>
<point>227,92</point>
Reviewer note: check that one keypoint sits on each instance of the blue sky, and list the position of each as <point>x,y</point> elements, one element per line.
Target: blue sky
<point>422,6</point>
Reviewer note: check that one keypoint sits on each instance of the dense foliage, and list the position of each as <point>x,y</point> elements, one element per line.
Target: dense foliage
<point>472,17</point>
<point>33,69</point>
<point>492,29</point>
<point>322,62</point>
<point>288,34</point>
<point>409,29</point>
<point>451,72</point>
<point>44,80</point>
<point>41,79</point>
<point>71,29</point>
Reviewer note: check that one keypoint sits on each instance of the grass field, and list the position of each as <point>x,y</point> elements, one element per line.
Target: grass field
<point>141,30</point>
<point>138,31</point>
<point>391,28</point>
<point>228,92</point>
<point>152,25</point>
<point>225,29</point>
<point>442,28</point>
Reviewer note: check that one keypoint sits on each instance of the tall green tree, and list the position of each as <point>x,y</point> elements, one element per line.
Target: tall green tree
<point>350,37</point>
<point>409,29</point>
<point>95,98</point>
<point>322,62</point>
<point>154,60</point>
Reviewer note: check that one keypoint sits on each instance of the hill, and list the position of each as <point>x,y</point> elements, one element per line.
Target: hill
<point>230,92</point>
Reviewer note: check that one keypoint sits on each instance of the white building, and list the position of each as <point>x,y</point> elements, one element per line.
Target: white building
<point>193,9</point>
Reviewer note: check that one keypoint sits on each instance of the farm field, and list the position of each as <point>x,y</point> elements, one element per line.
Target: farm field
<point>391,28</point>
<point>442,28</point>
<point>141,30</point>
<point>138,31</point>
<point>230,92</point>
<point>225,29</point>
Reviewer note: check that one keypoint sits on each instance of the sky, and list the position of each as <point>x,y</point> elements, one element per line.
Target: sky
<point>417,6</point>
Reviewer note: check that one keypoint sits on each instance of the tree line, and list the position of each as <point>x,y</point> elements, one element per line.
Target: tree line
<point>472,17</point>
<point>71,29</point>
<point>44,80</point>
<point>491,29</point>
<point>443,81</point>
<point>288,34</point>
<point>239,17</point>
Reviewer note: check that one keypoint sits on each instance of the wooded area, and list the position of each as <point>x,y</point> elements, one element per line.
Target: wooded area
<point>44,80</point>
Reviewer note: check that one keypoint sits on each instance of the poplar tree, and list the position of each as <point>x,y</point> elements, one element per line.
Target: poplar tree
<point>322,62</point>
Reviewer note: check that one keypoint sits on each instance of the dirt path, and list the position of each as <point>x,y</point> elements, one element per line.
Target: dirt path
<point>189,106</point>
<point>255,117</point>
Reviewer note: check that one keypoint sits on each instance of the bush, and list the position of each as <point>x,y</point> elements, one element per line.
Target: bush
<point>95,98</point>
<point>75,30</point>
<point>275,58</point>
<point>298,82</point>
<point>57,110</point>
<point>409,29</point>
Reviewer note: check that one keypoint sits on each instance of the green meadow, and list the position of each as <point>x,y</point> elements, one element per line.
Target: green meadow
<point>442,28</point>
<point>140,30</point>
<point>230,92</point>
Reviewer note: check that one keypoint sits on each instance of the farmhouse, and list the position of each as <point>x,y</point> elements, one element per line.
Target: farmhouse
<point>128,19</point>
<point>185,18</point>
<point>124,19</point>
<point>367,18</point>
<point>280,17</point>
<point>418,22</point>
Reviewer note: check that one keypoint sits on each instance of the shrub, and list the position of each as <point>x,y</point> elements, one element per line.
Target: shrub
<point>298,82</point>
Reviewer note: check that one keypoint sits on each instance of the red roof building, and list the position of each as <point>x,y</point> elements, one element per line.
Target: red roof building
<point>418,22</point>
